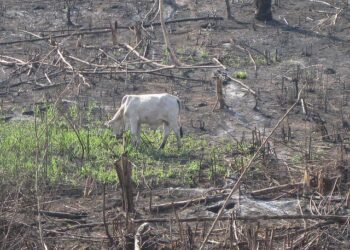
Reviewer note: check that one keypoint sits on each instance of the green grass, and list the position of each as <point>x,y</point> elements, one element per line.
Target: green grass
<point>65,151</point>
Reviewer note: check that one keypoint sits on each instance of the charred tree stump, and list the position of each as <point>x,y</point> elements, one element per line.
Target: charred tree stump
<point>263,10</point>
<point>114,31</point>
<point>138,34</point>
<point>219,93</point>
<point>146,237</point>
<point>173,57</point>
<point>124,172</point>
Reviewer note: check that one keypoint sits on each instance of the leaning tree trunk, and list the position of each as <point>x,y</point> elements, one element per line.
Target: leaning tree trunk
<point>263,10</point>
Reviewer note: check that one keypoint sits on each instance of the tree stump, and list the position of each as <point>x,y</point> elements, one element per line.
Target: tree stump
<point>137,32</point>
<point>219,93</point>
<point>124,172</point>
<point>114,31</point>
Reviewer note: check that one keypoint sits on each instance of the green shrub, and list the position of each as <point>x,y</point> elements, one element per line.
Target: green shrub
<point>240,75</point>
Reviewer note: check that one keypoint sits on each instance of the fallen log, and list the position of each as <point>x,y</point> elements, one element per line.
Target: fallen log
<point>276,189</point>
<point>170,205</point>
<point>81,226</point>
<point>63,215</point>
<point>334,218</point>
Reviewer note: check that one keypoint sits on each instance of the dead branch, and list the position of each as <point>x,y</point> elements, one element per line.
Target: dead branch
<point>170,205</point>
<point>276,189</point>
<point>173,57</point>
<point>333,218</point>
<point>104,215</point>
<point>252,59</point>
<point>146,71</point>
<point>141,57</point>
<point>181,78</point>
<point>63,215</point>
<point>71,68</point>
<point>114,31</point>
<point>237,81</point>
<point>243,85</point>
<point>323,2</point>
<point>219,63</point>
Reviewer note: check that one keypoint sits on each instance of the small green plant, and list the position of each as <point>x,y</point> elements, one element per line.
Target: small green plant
<point>297,159</point>
<point>240,75</point>
<point>203,53</point>
<point>165,57</point>
<point>260,60</point>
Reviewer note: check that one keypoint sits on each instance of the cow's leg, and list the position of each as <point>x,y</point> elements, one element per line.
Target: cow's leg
<point>176,128</point>
<point>138,135</point>
<point>165,136</point>
<point>133,131</point>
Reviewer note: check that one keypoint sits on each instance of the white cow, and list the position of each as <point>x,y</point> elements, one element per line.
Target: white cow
<point>152,109</point>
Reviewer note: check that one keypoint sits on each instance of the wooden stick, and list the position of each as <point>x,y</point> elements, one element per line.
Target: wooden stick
<point>173,57</point>
<point>63,215</point>
<point>276,188</point>
<point>71,68</point>
<point>170,205</point>
<point>147,71</point>
<point>143,58</point>
<point>243,85</point>
<point>114,31</point>
<point>219,63</point>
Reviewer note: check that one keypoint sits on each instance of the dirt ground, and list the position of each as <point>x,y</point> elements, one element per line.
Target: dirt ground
<point>307,44</point>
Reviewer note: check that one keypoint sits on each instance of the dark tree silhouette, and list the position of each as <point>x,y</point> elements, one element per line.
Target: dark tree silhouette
<point>228,9</point>
<point>263,10</point>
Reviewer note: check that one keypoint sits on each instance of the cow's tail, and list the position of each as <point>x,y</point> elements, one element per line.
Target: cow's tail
<point>179,118</point>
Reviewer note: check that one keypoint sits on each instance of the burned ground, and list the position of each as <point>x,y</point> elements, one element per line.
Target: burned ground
<point>44,61</point>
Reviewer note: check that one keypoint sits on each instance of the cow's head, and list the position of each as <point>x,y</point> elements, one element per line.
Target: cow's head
<point>117,126</point>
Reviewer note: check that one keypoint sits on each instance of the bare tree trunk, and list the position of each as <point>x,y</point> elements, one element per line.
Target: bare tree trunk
<point>219,94</point>
<point>69,5</point>
<point>263,10</point>
<point>228,9</point>
<point>124,172</point>
<point>165,35</point>
<point>114,31</point>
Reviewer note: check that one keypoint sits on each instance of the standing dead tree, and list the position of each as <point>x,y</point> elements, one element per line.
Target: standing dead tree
<point>228,10</point>
<point>114,31</point>
<point>166,38</point>
<point>219,92</point>
<point>69,5</point>
<point>263,10</point>
<point>124,172</point>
